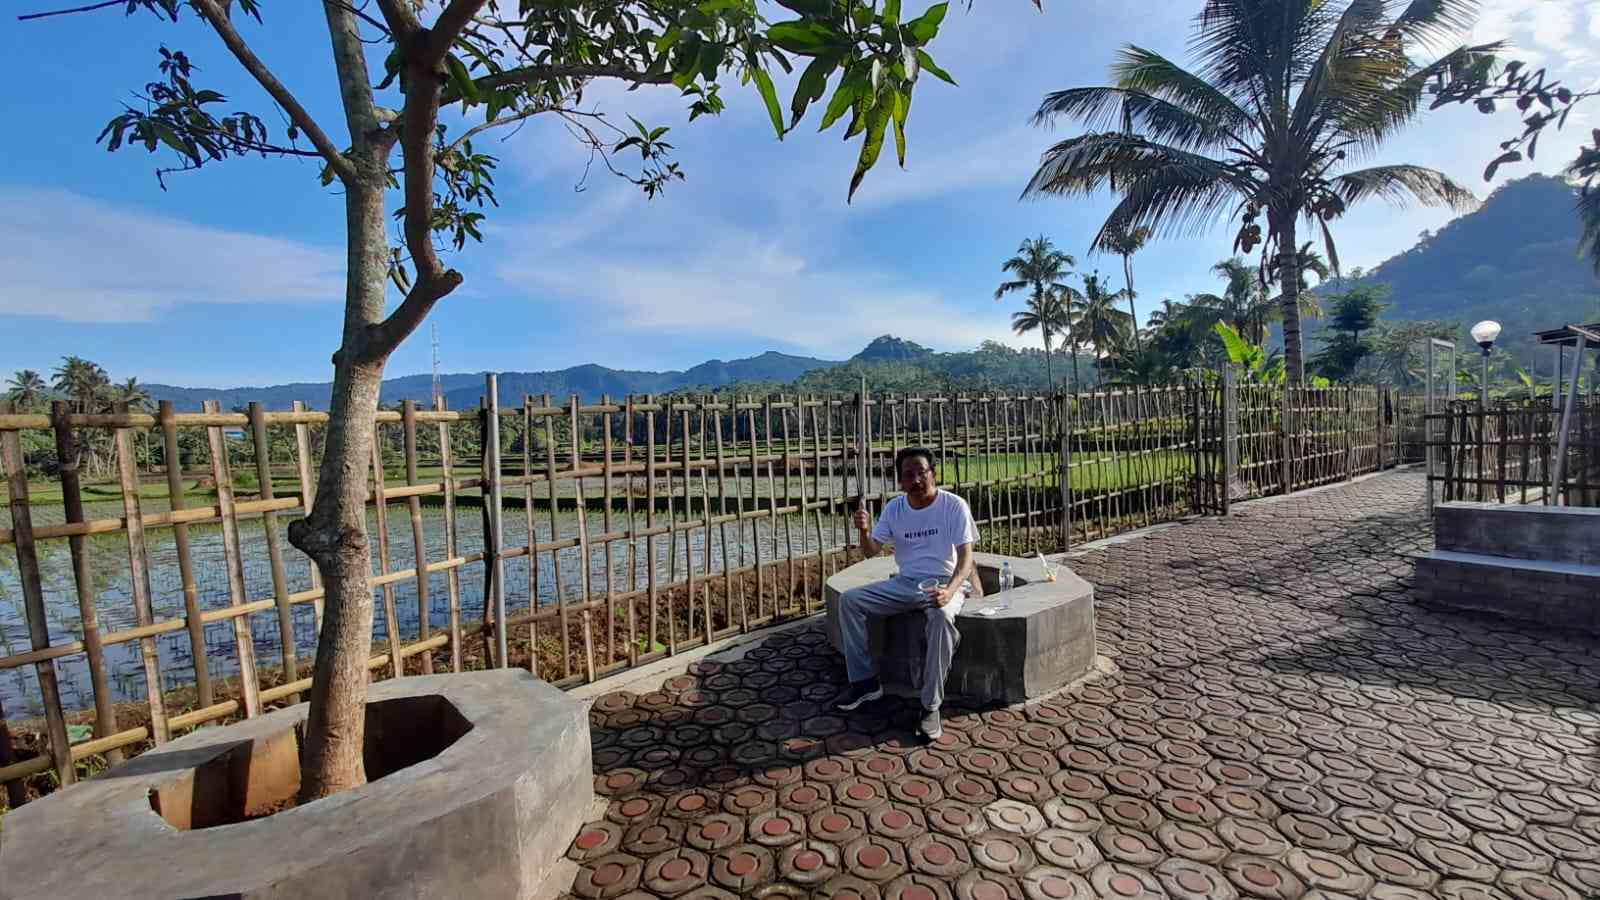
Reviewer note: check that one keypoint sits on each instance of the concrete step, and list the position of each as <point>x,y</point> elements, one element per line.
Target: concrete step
<point>1558,594</point>
<point>1568,534</point>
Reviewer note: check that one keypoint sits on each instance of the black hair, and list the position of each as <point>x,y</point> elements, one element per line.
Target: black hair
<point>906,453</point>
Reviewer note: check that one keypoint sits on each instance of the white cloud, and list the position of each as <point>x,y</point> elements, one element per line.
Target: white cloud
<point>67,256</point>
<point>740,286</point>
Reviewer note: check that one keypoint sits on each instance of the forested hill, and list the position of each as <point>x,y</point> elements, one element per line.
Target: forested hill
<point>1515,260</point>
<point>462,390</point>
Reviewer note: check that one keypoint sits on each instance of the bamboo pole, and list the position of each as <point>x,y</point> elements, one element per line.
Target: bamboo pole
<point>280,582</point>
<point>14,464</point>
<point>221,473</point>
<point>419,544</point>
<point>497,535</point>
<point>705,510</point>
<point>650,519</point>
<point>139,577</point>
<point>633,545</point>
<point>555,533</point>
<point>453,577</point>
<point>391,616</point>
<point>728,592</point>
<point>532,527</point>
<point>611,592</point>
<point>755,499</point>
<point>308,493</point>
<point>816,492</point>
<point>69,459</point>
<point>583,545</point>
<point>788,521</point>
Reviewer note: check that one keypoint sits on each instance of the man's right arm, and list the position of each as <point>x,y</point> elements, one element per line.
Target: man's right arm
<point>870,547</point>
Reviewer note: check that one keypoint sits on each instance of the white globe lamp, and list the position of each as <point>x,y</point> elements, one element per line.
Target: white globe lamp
<point>1485,333</point>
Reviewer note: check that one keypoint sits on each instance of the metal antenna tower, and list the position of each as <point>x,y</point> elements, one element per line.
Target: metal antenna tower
<point>438,387</point>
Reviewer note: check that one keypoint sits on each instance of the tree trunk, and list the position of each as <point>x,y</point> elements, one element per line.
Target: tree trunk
<point>1075,381</point>
<point>1127,279</point>
<point>334,535</point>
<point>1049,371</point>
<point>1289,272</point>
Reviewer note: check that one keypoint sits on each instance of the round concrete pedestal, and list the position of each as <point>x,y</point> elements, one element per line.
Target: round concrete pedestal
<point>506,786</point>
<point>1043,641</point>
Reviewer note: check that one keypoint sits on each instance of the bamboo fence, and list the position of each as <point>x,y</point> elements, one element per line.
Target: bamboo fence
<point>1505,452</point>
<point>608,535</point>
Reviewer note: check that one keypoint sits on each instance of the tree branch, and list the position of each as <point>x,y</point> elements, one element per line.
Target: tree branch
<point>531,74</point>
<point>67,12</point>
<point>422,50</point>
<point>220,23</point>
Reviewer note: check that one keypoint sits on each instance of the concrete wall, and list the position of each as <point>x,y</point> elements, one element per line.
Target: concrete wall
<point>1557,533</point>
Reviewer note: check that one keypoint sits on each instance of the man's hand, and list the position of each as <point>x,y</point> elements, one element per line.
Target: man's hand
<point>863,519</point>
<point>942,595</point>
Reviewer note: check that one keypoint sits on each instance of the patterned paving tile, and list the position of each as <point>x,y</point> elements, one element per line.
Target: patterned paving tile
<point>1283,721</point>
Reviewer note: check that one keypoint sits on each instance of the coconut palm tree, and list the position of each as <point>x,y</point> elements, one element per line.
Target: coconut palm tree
<point>1101,324</point>
<point>1283,95</point>
<point>132,393</point>
<point>1049,317</point>
<point>81,381</point>
<point>1125,242</point>
<point>1039,268</point>
<point>27,389</point>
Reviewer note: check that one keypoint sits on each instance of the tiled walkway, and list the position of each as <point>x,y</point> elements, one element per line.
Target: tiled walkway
<point>1284,721</point>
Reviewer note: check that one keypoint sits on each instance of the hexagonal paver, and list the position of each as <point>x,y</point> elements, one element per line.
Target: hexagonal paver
<point>1049,883</point>
<point>676,871</point>
<point>809,862</point>
<point>1119,880</point>
<point>896,821</point>
<point>607,877</point>
<point>714,832</point>
<point>646,839</point>
<point>742,866</point>
<point>1069,850</point>
<point>1188,880</point>
<point>874,859</point>
<point>595,840</point>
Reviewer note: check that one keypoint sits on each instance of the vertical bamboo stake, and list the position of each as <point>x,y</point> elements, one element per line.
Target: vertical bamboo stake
<point>269,522</point>
<point>688,526</point>
<point>722,511</point>
<point>555,535</point>
<point>249,687</point>
<point>611,593</point>
<point>391,617</point>
<point>532,528</point>
<point>495,559</point>
<point>180,535</point>
<point>583,537</point>
<point>308,492</point>
<point>650,515</point>
<point>33,598</point>
<point>863,450</point>
<point>139,576</point>
<point>789,455</point>
<point>633,541</point>
<point>755,499</point>
<point>833,490</point>
<point>419,545</point>
<point>105,717</point>
<point>452,547</point>
<point>816,496</point>
<point>705,528</point>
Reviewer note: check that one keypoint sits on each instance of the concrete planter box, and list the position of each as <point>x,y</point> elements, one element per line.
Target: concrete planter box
<point>1044,641</point>
<point>483,779</point>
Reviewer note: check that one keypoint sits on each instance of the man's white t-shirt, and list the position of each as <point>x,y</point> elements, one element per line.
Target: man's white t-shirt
<point>925,540</point>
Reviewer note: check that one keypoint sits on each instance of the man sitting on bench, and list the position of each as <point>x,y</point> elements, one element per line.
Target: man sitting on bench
<point>932,532</point>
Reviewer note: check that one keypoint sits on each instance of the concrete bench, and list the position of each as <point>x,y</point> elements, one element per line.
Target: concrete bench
<point>1044,641</point>
<point>1537,563</point>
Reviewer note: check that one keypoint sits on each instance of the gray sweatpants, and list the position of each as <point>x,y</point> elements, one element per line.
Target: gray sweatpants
<point>886,598</point>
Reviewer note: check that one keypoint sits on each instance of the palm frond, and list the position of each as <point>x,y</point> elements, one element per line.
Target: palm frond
<point>1431,22</point>
<point>1007,287</point>
<point>1398,182</point>
<point>1099,108</point>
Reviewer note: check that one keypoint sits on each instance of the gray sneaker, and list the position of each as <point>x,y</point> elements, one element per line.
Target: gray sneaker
<point>929,726</point>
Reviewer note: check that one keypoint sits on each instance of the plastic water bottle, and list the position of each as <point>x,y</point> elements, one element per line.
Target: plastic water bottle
<point>1002,598</point>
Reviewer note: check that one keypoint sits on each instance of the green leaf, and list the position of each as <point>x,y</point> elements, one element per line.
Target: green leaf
<point>770,96</point>
<point>77,734</point>
<point>461,80</point>
<point>899,108</point>
<point>665,42</point>
<point>877,121</point>
<point>891,14</point>
<point>813,83</point>
<point>802,37</point>
<point>926,62</point>
<point>815,8</point>
<point>926,26</point>
<point>843,97</point>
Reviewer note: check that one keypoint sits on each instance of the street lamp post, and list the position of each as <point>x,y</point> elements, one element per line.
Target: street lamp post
<point>1485,333</point>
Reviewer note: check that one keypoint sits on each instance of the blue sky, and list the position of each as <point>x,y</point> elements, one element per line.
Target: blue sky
<point>233,276</point>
